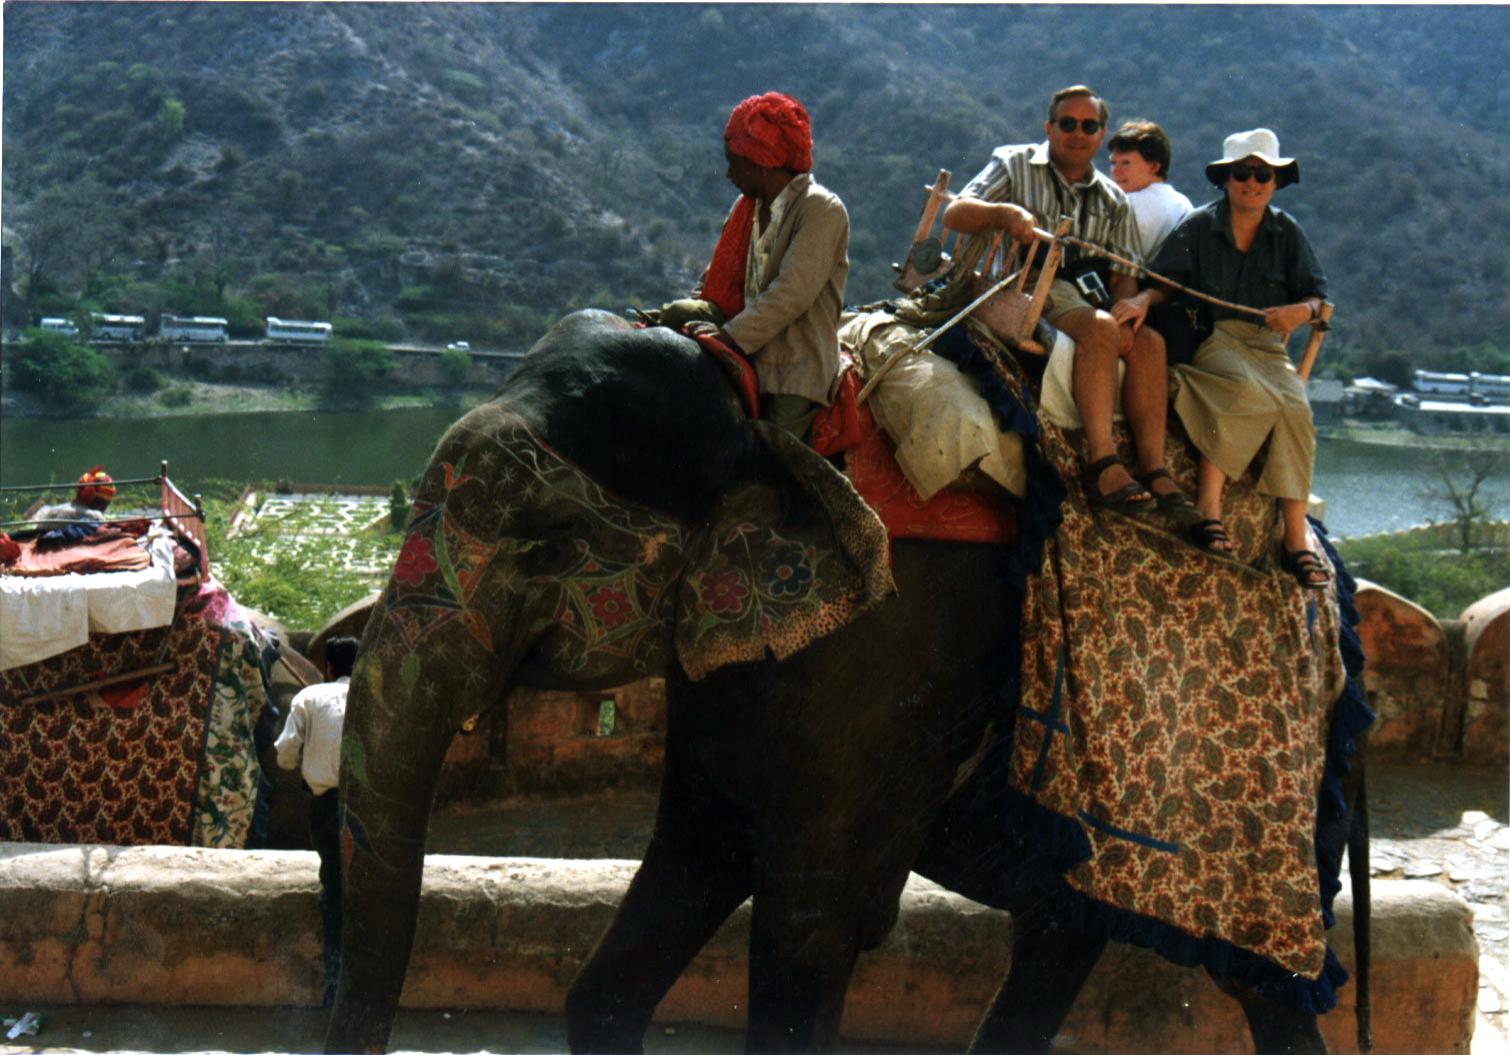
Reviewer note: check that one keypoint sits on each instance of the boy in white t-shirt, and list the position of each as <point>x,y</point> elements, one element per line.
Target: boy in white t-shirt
<point>1140,166</point>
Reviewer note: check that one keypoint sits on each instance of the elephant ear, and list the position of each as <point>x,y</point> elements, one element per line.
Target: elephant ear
<point>783,562</point>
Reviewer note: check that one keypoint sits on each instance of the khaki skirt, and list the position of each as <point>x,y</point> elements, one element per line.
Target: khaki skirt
<point>1242,393</point>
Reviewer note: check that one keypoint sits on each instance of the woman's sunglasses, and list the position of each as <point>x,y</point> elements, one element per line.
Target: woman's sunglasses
<point>1262,173</point>
<point>1090,126</point>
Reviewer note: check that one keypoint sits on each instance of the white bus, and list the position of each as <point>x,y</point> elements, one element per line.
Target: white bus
<point>129,328</point>
<point>291,331</point>
<point>193,329</point>
<point>1442,384</point>
<point>64,326</point>
<point>1490,386</point>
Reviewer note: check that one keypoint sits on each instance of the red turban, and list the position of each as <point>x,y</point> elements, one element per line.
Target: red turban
<point>773,131</point>
<point>95,486</point>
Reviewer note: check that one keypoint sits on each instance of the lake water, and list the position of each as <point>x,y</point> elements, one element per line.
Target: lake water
<point>1368,488</point>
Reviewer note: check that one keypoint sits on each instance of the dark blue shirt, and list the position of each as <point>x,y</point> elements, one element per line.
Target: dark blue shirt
<point>1280,267</point>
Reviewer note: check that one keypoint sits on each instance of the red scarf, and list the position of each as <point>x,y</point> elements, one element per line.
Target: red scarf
<point>724,281</point>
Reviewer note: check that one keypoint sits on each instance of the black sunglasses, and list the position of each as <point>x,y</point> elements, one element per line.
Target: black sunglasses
<point>1090,126</point>
<point>1262,173</point>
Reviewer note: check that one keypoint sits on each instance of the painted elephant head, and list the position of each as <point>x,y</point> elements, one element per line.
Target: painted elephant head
<point>609,507</point>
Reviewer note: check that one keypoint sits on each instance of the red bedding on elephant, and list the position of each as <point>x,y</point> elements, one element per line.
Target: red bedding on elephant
<point>949,516</point>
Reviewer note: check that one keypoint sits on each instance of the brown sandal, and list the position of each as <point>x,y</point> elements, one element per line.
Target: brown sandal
<point>1124,499</point>
<point>1176,505</point>
<point>1209,534</point>
<point>1309,570</point>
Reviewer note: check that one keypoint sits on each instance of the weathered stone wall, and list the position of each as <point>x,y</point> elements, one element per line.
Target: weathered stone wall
<point>1440,688</point>
<point>153,925</point>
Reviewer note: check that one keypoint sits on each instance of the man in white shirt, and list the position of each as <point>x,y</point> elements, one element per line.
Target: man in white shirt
<point>311,743</point>
<point>1140,166</point>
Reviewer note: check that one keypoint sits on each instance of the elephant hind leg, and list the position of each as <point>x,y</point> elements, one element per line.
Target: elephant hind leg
<point>1049,968</point>
<point>1278,1029</point>
<point>684,890</point>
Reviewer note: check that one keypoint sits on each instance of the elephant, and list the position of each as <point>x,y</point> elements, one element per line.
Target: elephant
<point>811,774</point>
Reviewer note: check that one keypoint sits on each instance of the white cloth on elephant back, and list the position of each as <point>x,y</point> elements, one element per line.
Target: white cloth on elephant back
<point>931,410</point>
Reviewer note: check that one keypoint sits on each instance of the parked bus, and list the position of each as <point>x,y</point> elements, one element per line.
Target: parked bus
<point>1442,384</point>
<point>193,329</point>
<point>129,328</point>
<point>1490,386</point>
<point>291,331</point>
<point>64,326</point>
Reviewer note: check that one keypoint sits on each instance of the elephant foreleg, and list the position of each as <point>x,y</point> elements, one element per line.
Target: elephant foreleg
<point>805,934</point>
<point>1049,968</point>
<point>697,869</point>
<point>677,901</point>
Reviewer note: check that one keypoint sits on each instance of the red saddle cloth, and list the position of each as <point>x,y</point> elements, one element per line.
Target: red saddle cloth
<point>871,463</point>
<point>951,516</point>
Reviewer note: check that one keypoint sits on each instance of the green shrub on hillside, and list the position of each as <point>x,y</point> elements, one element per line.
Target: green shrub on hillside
<point>68,375</point>
<point>142,379</point>
<point>386,328</point>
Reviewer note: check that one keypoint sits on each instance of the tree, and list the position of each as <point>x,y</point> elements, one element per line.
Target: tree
<point>59,232</point>
<point>398,506</point>
<point>1460,485</point>
<point>68,375</point>
<point>455,365</point>
<point>353,369</point>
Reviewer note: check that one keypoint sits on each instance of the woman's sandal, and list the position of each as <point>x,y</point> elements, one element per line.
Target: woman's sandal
<point>1124,499</point>
<point>1209,534</point>
<point>1309,570</point>
<point>1176,505</point>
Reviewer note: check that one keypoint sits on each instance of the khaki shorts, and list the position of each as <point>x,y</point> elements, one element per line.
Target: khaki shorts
<point>1064,298</point>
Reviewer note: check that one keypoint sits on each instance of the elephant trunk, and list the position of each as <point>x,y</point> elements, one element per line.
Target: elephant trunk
<point>401,714</point>
<point>381,885</point>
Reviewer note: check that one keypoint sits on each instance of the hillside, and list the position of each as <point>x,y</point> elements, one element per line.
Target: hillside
<point>443,170</point>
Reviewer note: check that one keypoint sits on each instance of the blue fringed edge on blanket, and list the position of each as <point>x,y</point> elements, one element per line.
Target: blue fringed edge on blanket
<point>1049,844</point>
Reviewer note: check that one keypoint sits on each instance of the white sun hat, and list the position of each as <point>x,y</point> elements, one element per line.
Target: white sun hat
<point>1256,143</point>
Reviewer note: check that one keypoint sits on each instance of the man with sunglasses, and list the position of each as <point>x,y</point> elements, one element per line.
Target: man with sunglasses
<point>1035,184</point>
<point>1241,396</point>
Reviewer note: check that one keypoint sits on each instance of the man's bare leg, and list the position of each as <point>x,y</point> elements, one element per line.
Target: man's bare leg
<point>1145,405</point>
<point>1094,388</point>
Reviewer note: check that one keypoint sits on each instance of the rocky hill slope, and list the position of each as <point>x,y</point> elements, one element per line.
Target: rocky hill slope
<point>434,168</point>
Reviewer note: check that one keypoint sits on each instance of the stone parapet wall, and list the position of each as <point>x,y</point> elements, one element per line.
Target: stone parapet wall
<point>1441,688</point>
<point>154,925</point>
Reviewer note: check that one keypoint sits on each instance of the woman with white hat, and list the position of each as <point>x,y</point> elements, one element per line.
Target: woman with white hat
<point>1242,396</point>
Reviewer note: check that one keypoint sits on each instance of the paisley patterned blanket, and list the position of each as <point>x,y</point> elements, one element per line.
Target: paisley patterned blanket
<point>172,762</point>
<point>1176,705</point>
<point>1177,722</point>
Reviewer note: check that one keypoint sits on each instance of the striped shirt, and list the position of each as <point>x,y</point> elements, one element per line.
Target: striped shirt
<point>1023,175</point>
